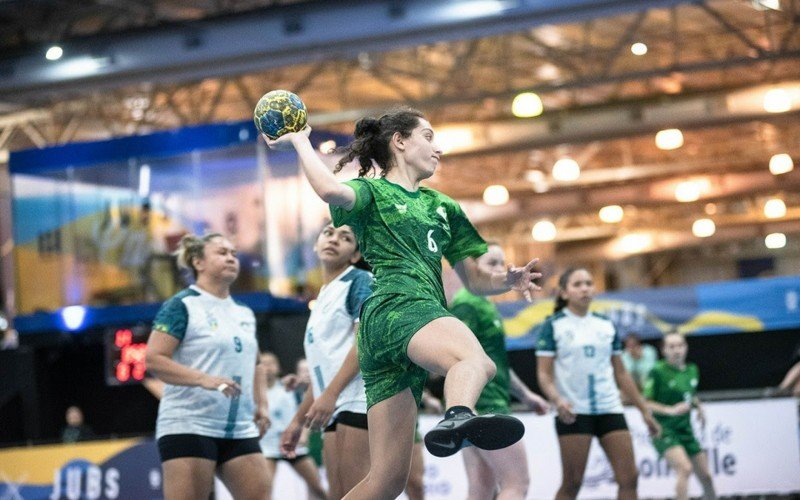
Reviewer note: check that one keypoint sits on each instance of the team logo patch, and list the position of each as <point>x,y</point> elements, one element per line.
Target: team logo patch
<point>401,208</point>
<point>441,211</point>
<point>211,321</point>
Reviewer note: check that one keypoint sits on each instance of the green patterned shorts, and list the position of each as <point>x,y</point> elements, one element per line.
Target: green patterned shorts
<point>677,437</point>
<point>388,321</point>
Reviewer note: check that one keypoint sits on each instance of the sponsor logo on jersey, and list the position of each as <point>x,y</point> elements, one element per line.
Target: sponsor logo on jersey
<point>212,321</point>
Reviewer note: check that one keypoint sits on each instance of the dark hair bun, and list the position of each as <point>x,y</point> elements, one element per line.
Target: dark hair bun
<point>367,127</point>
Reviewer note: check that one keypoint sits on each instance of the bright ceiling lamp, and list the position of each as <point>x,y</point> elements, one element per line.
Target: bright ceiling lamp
<point>766,4</point>
<point>775,240</point>
<point>780,164</point>
<point>777,101</point>
<point>687,191</point>
<point>54,53</point>
<point>527,105</point>
<point>449,139</point>
<point>544,230</point>
<point>533,176</point>
<point>611,214</point>
<point>703,228</point>
<point>669,139</point>
<point>639,49</point>
<point>495,195</point>
<point>774,208</point>
<point>635,243</point>
<point>566,170</point>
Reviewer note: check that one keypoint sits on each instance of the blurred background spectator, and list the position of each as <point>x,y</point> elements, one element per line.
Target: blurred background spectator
<point>76,429</point>
<point>639,358</point>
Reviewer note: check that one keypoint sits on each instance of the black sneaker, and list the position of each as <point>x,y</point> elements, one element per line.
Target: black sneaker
<point>488,432</point>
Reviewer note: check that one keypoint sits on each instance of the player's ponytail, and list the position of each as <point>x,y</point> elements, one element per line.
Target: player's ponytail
<point>372,138</point>
<point>192,247</point>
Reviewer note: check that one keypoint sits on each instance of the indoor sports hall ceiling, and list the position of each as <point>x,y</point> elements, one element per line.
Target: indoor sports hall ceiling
<point>724,72</point>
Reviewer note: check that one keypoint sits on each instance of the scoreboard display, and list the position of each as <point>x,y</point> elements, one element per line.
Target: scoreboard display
<point>125,354</point>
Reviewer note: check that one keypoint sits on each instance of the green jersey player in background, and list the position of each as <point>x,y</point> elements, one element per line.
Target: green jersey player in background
<point>671,392</point>
<point>404,231</point>
<point>501,472</point>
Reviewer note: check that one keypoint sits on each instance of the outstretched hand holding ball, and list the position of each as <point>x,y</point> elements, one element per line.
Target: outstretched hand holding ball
<point>279,112</point>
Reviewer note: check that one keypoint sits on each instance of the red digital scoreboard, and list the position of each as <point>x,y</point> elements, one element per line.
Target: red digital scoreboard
<point>125,354</point>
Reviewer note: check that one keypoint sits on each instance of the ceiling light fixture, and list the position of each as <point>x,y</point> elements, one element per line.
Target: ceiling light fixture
<point>527,105</point>
<point>669,139</point>
<point>635,243</point>
<point>777,101</point>
<point>703,228</point>
<point>495,195</point>
<point>691,190</point>
<point>544,230</point>
<point>780,164</point>
<point>534,176</point>
<point>450,139</point>
<point>774,208</point>
<point>766,4</point>
<point>566,170</point>
<point>611,214</point>
<point>639,49</point>
<point>775,240</point>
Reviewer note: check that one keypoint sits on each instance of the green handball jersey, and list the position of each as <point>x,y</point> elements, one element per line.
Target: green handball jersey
<point>668,386</point>
<point>482,317</point>
<point>403,235</point>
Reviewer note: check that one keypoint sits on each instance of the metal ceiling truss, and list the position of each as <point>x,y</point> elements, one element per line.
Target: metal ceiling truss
<point>281,36</point>
<point>452,80</point>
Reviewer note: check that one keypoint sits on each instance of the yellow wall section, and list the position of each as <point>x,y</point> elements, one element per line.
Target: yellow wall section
<point>36,465</point>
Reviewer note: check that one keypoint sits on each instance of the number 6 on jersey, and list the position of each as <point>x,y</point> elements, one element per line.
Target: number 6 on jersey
<point>431,243</point>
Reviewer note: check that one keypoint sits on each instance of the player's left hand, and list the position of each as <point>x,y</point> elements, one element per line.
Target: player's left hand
<point>701,417</point>
<point>320,412</point>
<point>521,279</point>
<point>653,427</point>
<point>538,404</point>
<point>286,141</point>
<point>261,419</point>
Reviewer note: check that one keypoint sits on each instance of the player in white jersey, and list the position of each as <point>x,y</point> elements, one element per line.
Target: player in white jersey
<point>580,369</point>
<point>203,346</point>
<point>282,407</point>
<point>336,401</point>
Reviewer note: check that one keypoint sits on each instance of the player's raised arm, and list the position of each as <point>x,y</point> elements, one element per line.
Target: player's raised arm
<point>280,116</point>
<point>318,174</point>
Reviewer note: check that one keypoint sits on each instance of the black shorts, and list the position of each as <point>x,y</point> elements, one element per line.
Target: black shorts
<point>350,419</point>
<point>219,450</point>
<point>287,459</point>
<point>594,425</point>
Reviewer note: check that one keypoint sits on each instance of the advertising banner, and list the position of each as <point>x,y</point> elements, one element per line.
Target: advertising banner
<point>753,448</point>
<point>748,305</point>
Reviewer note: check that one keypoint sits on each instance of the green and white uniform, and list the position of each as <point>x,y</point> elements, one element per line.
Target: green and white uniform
<point>482,317</point>
<point>669,385</point>
<point>218,337</point>
<point>403,235</point>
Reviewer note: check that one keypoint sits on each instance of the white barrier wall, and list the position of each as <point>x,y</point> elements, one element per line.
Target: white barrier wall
<point>753,447</point>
